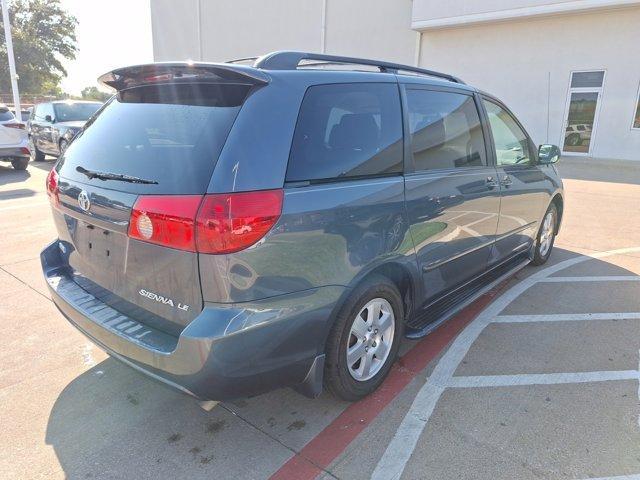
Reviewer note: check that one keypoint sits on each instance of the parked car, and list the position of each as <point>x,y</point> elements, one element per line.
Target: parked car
<point>25,113</point>
<point>13,140</point>
<point>576,134</point>
<point>53,125</point>
<point>231,229</point>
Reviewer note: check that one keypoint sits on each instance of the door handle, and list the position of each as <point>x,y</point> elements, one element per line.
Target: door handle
<point>506,181</point>
<point>490,183</point>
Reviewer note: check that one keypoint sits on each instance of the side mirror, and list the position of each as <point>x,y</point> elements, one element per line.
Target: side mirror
<point>548,154</point>
<point>47,118</point>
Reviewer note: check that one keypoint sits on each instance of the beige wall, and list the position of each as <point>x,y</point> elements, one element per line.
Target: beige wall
<point>372,29</point>
<point>528,63</point>
<point>242,28</point>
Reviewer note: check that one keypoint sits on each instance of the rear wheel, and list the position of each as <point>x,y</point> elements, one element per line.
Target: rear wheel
<point>364,340</point>
<point>36,155</point>
<point>546,236</point>
<point>20,163</point>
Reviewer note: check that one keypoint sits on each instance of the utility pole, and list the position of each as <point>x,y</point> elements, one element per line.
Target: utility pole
<point>12,61</point>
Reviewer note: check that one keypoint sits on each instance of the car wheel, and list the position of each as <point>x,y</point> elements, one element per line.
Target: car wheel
<point>546,236</point>
<point>574,140</point>
<point>36,155</point>
<point>20,163</point>
<point>364,340</point>
<point>63,145</point>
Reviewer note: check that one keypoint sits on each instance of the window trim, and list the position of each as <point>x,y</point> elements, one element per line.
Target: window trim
<point>636,108</point>
<point>532,146</point>
<point>410,168</point>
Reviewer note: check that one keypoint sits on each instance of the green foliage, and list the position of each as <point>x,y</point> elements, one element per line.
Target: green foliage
<point>44,34</point>
<point>92,93</point>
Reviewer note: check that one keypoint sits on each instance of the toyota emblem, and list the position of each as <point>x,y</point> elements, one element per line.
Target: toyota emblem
<point>83,201</point>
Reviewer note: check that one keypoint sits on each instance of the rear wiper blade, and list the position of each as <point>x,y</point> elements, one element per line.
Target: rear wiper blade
<point>114,176</point>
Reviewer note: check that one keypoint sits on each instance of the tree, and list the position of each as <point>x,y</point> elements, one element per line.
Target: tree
<point>93,93</point>
<point>44,34</point>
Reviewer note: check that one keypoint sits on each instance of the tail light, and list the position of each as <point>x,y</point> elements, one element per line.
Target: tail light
<point>21,126</point>
<point>166,220</point>
<point>231,222</point>
<point>52,188</point>
<point>216,223</point>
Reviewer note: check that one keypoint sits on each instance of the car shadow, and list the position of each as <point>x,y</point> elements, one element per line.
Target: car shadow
<point>8,174</point>
<point>114,422</point>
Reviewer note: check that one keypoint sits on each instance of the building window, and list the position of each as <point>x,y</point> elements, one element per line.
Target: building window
<point>583,102</point>
<point>636,117</point>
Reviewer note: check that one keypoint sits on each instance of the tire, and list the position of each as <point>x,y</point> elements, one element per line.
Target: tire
<point>63,146</point>
<point>20,163</point>
<point>575,140</point>
<point>353,382</point>
<point>546,236</point>
<point>36,155</point>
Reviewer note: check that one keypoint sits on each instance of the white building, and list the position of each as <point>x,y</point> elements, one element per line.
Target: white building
<point>570,69</point>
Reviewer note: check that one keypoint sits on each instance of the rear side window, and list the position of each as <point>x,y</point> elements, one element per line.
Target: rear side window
<point>169,134</point>
<point>347,131</point>
<point>445,130</point>
<point>5,114</point>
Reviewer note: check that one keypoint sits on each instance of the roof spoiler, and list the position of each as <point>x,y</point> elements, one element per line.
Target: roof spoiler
<point>179,72</point>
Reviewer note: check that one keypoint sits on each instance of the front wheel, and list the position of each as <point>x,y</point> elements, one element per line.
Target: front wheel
<point>546,236</point>
<point>364,340</point>
<point>36,155</point>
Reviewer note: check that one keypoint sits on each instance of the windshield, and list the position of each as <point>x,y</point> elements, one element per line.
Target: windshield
<point>75,112</point>
<point>169,134</point>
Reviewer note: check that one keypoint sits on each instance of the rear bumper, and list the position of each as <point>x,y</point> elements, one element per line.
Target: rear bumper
<point>13,152</point>
<point>227,351</point>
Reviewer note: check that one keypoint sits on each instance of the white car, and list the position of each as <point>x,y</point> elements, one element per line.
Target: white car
<point>14,145</point>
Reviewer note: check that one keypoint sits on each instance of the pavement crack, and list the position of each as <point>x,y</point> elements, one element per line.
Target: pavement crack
<point>25,283</point>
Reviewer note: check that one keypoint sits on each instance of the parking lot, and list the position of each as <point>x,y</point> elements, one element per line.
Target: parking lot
<point>537,379</point>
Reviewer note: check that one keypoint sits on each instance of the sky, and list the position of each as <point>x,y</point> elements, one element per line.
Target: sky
<point>110,34</point>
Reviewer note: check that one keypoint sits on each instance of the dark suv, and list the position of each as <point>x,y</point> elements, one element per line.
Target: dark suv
<point>53,125</point>
<point>230,229</point>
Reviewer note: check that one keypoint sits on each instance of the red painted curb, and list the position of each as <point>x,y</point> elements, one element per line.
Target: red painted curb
<point>325,447</point>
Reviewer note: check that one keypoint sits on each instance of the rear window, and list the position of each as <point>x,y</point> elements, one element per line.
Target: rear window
<point>5,114</point>
<point>169,134</point>
<point>75,112</point>
<point>347,131</point>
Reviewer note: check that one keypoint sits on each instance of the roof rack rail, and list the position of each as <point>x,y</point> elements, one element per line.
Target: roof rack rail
<point>289,60</point>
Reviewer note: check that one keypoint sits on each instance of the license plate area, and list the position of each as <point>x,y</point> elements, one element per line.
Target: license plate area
<point>100,248</point>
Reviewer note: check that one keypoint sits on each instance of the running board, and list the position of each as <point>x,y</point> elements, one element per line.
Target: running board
<point>439,312</point>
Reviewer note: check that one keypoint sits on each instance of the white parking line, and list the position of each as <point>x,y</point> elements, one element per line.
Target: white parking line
<point>602,278</point>
<point>566,317</point>
<point>541,379</point>
<point>401,447</point>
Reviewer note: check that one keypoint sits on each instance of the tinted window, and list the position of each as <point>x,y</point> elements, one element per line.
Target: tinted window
<point>347,130</point>
<point>512,145</point>
<point>73,112</point>
<point>171,134</point>
<point>445,130</point>
<point>5,114</point>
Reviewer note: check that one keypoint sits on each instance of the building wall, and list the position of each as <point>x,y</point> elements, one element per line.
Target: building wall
<point>244,28</point>
<point>528,63</point>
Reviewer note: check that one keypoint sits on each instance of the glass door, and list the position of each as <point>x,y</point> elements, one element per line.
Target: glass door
<point>583,103</point>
